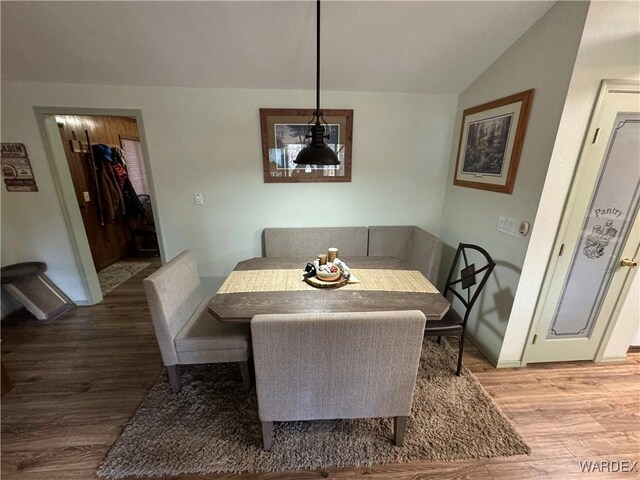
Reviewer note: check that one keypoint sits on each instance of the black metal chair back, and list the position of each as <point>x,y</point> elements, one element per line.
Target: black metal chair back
<point>146,216</point>
<point>467,282</point>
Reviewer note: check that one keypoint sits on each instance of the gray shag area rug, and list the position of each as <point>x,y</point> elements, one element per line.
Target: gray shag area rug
<point>115,275</point>
<point>212,426</point>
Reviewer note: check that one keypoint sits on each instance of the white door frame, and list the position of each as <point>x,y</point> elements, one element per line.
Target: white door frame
<point>606,87</point>
<point>59,165</point>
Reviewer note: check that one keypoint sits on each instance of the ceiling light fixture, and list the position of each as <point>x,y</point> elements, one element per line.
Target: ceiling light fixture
<point>317,152</point>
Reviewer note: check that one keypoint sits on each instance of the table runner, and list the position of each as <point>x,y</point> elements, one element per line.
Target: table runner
<point>285,280</point>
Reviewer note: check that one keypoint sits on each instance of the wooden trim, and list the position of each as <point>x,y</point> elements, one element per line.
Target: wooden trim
<point>306,113</point>
<point>122,136</point>
<point>526,98</point>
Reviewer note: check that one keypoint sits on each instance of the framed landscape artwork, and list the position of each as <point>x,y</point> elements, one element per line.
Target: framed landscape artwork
<point>491,139</point>
<point>284,133</point>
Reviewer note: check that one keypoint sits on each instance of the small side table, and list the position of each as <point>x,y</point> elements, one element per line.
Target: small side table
<point>31,287</point>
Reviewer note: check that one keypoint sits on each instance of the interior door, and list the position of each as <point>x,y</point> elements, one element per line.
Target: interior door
<point>109,241</point>
<point>596,252</point>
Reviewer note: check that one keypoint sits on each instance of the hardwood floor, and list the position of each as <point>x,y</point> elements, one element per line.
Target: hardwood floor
<point>78,380</point>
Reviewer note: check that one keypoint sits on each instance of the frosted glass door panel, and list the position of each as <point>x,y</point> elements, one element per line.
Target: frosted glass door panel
<point>612,210</point>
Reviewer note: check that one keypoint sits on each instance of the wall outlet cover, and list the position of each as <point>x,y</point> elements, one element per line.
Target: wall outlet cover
<point>508,225</point>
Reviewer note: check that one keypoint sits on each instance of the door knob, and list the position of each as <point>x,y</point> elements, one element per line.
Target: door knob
<point>628,262</point>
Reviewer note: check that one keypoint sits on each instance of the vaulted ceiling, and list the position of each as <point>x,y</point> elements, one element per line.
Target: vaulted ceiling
<point>380,46</point>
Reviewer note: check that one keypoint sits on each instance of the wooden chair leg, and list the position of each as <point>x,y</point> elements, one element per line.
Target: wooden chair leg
<point>461,341</point>
<point>267,435</point>
<point>399,427</point>
<point>246,376</point>
<point>174,377</point>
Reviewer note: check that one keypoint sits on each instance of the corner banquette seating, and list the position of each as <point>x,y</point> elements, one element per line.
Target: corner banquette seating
<point>421,249</point>
<point>186,332</point>
<point>336,365</point>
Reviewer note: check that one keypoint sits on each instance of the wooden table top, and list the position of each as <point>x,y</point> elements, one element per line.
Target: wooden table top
<point>241,307</point>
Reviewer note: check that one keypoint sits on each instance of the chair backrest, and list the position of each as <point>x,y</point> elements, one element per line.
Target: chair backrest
<point>146,216</point>
<point>466,279</point>
<point>174,293</point>
<point>308,242</point>
<point>336,365</point>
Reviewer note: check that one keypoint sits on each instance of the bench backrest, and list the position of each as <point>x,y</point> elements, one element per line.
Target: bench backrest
<point>336,365</point>
<point>174,293</point>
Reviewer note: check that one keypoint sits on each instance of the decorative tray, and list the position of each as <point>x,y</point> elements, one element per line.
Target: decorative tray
<point>316,282</point>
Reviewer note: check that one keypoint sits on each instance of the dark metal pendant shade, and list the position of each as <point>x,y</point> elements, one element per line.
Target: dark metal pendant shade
<point>317,152</point>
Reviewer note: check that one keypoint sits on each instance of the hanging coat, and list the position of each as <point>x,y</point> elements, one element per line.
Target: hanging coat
<point>132,205</point>
<point>111,196</point>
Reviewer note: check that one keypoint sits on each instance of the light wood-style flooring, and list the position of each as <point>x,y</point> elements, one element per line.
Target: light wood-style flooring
<point>78,380</point>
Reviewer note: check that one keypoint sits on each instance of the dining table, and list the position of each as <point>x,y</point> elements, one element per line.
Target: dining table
<point>265,285</point>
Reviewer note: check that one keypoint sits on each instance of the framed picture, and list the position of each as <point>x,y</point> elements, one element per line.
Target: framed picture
<point>284,132</point>
<point>491,139</point>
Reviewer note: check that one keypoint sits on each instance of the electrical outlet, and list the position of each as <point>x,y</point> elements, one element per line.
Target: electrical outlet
<point>198,199</point>
<point>86,196</point>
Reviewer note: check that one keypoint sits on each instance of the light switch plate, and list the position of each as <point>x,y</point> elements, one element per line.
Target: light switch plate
<point>198,198</point>
<point>86,196</point>
<point>508,225</point>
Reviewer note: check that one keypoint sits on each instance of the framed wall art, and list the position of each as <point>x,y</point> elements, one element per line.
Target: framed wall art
<point>491,139</point>
<point>284,133</point>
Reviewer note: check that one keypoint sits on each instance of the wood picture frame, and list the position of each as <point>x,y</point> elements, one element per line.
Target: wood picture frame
<point>283,132</point>
<point>490,144</point>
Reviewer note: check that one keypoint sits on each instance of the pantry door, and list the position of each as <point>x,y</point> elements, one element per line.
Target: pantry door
<point>595,255</point>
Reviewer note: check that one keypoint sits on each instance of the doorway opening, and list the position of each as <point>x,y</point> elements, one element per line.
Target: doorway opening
<point>59,147</point>
<point>106,163</point>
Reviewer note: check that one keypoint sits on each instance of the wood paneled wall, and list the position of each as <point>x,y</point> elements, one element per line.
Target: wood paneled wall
<point>112,241</point>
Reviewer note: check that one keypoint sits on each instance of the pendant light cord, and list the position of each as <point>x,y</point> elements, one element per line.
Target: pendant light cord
<point>318,60</point>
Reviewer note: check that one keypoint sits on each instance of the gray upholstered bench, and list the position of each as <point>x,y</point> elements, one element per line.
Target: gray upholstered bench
<point>408,242</point>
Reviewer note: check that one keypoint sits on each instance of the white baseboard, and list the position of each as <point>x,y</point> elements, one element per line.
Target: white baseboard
<point>616,359</point>
<point>509,364</point>
<point>485,351</point>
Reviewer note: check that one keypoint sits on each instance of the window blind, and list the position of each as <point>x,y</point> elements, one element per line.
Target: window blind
<point>135,165</point>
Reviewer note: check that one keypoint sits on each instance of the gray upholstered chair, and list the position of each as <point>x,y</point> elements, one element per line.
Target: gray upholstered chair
<point>420,248</point>
<point>336,365</point>
<point>187,333</point>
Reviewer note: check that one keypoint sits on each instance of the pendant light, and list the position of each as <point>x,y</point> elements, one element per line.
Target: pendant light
<point>317,152</point>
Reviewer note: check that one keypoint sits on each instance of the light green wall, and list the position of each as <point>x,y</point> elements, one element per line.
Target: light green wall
<point>541,59</point>
<point>208,140</point>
